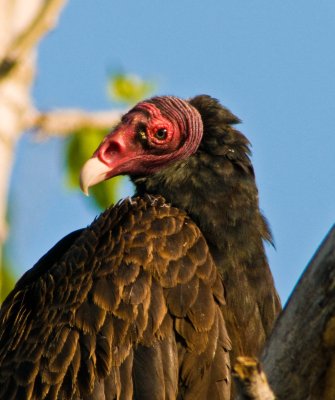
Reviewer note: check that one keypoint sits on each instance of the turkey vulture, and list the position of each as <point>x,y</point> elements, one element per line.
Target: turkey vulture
<point>157,297</point>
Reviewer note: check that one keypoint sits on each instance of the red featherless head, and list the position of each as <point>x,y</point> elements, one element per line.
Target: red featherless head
<point>152,135</point>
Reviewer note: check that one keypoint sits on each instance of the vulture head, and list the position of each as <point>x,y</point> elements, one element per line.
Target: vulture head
<point>190,153</point>
<point>163,136</point>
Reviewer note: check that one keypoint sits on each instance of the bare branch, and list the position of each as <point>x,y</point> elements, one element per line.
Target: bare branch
<point>22,25</point>
<point>45,19</point>
<point>251,381</point>
<point>299,358</point>
<point>65,122</point>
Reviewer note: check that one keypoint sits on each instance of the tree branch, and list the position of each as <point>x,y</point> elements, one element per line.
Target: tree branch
<point>22,25</point>
<point>299,358</point>
<point>45,19</point>
<point>65,122</point>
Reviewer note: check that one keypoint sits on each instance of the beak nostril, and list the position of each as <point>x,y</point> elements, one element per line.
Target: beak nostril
<point>108,150</point>
<point>113,147</point>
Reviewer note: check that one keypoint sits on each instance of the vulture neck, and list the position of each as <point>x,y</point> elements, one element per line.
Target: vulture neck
<point>222,198</point>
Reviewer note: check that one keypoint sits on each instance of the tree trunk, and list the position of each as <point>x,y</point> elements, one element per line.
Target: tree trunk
<point>299,357</point>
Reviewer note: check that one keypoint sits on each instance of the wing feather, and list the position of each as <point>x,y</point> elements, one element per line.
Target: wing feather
<point>132,303</point>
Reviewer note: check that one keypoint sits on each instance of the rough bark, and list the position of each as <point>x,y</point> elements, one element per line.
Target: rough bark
<point>299,358</point>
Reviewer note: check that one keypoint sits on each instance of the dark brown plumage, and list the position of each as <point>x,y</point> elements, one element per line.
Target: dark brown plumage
<point>157,297</point>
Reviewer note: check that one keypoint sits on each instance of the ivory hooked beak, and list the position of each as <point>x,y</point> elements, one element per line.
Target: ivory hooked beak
<point>93,172</point>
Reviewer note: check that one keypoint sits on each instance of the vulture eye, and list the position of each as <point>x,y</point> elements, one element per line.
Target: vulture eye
<point>161,134</point>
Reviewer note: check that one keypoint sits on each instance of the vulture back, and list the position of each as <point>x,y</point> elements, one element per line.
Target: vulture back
<point>126,312</point>
<point>157,297</point>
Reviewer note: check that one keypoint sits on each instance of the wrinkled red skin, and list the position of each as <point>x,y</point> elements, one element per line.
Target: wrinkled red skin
<point>132,148</point>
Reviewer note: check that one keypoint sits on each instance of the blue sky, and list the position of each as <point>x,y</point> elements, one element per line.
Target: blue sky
<point>271,63</point>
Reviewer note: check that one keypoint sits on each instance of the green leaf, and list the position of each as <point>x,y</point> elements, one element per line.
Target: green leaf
<point>78,149</point>
<point>7,281</point>
<point>129,89</point>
